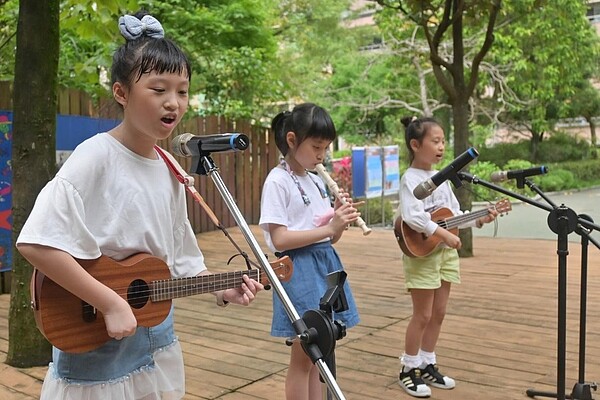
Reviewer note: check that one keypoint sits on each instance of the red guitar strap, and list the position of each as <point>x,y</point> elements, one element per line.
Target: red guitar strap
<point>188,181</point>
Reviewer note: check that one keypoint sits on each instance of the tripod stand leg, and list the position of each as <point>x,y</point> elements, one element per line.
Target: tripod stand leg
<point>210,169</point>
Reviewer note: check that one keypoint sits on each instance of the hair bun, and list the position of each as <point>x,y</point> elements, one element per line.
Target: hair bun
<point>407,120</point>
<point>133,28</point>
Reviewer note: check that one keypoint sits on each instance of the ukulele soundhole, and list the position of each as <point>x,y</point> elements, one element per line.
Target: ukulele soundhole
<point>88,313</point>
<point>138,293</point>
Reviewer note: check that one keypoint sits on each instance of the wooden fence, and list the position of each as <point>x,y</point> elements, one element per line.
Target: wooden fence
<point>243,172</point>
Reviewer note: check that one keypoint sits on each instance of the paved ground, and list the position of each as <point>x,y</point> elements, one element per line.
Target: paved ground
<point>531,222</point>
<point>499,338</point>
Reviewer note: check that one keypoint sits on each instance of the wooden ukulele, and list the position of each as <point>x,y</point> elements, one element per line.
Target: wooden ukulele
<point>143,280</point>
<point>416,244</point>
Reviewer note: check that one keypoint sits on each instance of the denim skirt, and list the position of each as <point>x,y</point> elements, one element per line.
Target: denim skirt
<point>308,285</point>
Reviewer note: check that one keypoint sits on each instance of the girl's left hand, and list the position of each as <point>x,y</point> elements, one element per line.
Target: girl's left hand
<point>244,294</point>
<point>344,195</point>
<point>493,213</point>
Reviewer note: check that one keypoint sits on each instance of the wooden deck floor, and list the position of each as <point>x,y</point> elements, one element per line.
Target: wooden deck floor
<point>499,337</point>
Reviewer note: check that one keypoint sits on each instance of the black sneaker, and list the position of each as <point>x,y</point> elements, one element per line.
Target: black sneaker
<point>432,376</point>
<point>412,382</point>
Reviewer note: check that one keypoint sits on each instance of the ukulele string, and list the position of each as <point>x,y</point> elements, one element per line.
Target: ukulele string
<point>460,219</point>
<point>481,198</point>
<point>180,285</point>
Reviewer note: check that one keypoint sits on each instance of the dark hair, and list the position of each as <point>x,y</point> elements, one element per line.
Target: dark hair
<point>306,120</point>
<point>416,128</point>
<point>147,54</point>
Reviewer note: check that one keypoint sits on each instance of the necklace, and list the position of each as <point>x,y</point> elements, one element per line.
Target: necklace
<point>305,197</point>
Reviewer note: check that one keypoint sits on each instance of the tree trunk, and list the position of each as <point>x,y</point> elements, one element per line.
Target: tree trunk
<point>460,114</point>
<point>593,138</point>
<point>34,159</point>
<point>536,138</point>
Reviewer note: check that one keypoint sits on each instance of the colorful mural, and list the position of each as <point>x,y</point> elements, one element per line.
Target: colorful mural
<point>70,131</point>
<point>5,191</point>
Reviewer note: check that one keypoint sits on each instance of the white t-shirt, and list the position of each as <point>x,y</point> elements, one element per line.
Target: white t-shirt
<point>417,213</point>
<point>282,203</point>
<point>108,200</point>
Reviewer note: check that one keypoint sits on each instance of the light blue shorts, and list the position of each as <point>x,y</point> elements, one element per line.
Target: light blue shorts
<point>307,286</point>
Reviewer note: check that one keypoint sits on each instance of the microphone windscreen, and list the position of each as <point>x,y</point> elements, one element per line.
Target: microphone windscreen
<point>498,176</point>
<point>179,144</point>
<point>421,192</point>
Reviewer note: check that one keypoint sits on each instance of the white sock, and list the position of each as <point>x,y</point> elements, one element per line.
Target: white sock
<point>427,357</point>
<point>410,362</point>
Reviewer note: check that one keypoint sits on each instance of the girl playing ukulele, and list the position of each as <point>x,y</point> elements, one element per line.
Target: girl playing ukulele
<point>115,196</point>
<point>427,278</point>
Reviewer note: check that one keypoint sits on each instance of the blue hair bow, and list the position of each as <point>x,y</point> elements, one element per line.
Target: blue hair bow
<point>132,28</point>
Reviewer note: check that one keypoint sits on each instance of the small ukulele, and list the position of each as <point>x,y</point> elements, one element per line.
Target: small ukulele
<point>143,280</point>
<point>416,244</point>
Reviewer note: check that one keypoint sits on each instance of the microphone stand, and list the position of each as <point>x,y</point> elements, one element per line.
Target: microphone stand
<point>322,333</point>
<point>562,221</point>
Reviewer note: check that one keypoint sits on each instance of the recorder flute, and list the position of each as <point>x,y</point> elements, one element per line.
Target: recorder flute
<point>320,168</point>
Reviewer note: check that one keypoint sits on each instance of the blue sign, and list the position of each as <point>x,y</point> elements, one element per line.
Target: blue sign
<point>391,170</point>
<point>70,131</point>
<point>358,172</point>
<point>374,172</point>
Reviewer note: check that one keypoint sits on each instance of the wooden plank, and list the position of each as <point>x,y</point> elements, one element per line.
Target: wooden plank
<point>5,95</point>
<point>498,339</point>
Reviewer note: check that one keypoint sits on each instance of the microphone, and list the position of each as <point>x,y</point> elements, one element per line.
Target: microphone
<point>427,187</point>
<point>519,174</point>
<point>188,145</point>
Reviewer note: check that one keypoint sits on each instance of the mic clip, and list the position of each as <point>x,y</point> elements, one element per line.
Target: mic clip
<point>455,179</point>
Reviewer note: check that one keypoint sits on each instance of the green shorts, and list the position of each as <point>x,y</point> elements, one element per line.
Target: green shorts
<point>428,272</point>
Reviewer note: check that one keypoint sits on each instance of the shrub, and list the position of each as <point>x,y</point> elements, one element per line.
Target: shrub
<point>586,172</point>
<point>502,152</point>
<point>559,179</point>
<point>371,211</point>
<point>482,170</point>
<point>342,173</point>
<point>562,147</point>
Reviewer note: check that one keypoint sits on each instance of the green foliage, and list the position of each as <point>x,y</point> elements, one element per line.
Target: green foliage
<point>372,211</point>
<point>482,170</point>
<point>311,39</point>
<point>560,176</point>
<point>557,179</point>
<point>587,172</point>
<point>230,44</point>
<point>562,147</point>
<point>557,148</point>
<point>342,153</point>
<point>89,36</point>
<point>8,38</point>
<point>548,49</point>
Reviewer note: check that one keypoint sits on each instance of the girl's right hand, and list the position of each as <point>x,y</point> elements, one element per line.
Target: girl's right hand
<point>449,238</point>
<point>119,319</point>
<point>344,215</point>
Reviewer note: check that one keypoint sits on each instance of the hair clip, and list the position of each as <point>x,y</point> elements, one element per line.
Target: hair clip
<point>132,28</point>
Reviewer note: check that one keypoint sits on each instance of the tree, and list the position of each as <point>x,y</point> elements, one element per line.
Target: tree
<point>447,20</point>
<point>34,158</point>
<point>9,10</point>
<point>311,38</point>
<point>586,103</point>
<point>230,45</point>
<point>551,50</point>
